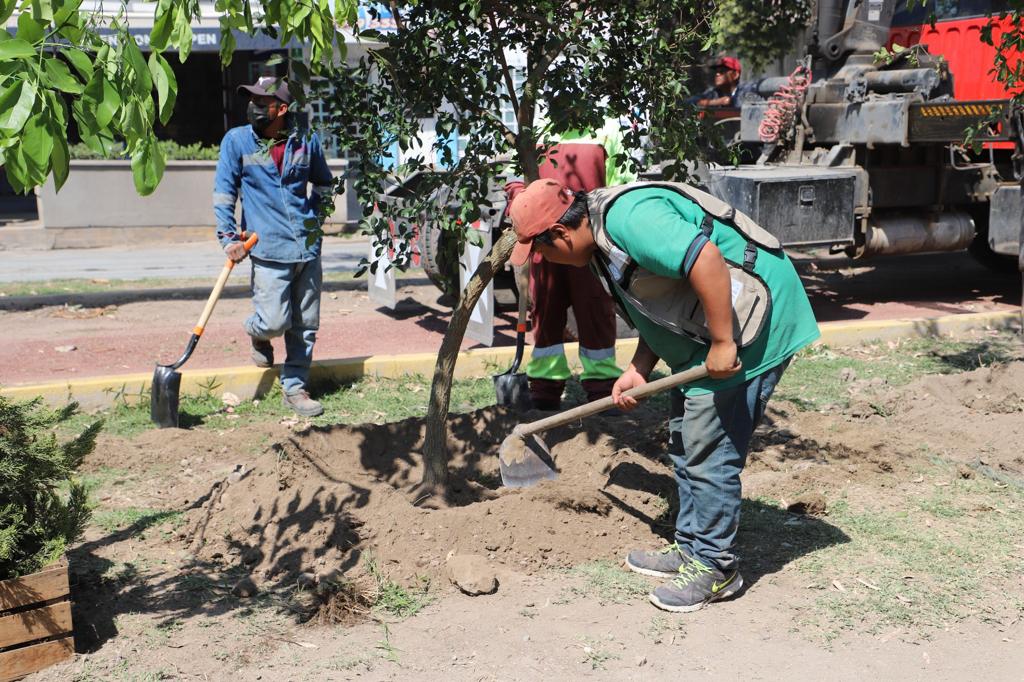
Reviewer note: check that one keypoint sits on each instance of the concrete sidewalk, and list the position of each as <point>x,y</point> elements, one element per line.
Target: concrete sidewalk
<point>168,261</point>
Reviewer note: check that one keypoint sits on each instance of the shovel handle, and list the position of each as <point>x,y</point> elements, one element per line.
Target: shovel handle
<point>225,272</point>
<point>588,409</point>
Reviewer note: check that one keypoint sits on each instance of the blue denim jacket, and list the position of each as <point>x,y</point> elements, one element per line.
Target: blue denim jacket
<point>274,205</point>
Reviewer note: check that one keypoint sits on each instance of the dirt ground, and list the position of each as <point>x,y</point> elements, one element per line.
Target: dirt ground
<point>842,507</point>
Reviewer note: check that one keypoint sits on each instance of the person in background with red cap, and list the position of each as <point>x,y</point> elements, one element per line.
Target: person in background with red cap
<point>582,162</point>
<point>658,234</point>
<point>726,91</point>
<point>281,176</point>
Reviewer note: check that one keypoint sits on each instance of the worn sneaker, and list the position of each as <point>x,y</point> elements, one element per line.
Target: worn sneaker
<point>302,404</point>
<point>262,353</point>
<point>660,563</point>
<point>695,586</point>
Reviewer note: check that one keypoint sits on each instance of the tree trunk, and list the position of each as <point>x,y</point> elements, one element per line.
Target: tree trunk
<point>435,447</point>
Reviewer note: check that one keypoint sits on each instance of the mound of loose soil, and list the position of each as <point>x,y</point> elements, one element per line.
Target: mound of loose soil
<point>319,499</point>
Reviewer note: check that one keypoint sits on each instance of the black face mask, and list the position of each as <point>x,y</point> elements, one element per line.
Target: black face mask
<point>259,116</point>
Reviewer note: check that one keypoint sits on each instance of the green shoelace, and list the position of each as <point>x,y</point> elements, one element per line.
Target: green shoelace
<point>689,572</point>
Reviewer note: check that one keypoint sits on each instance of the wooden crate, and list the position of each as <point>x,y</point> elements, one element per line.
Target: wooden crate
<point>35,622</point>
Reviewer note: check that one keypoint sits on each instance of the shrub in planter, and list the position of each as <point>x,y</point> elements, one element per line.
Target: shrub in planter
<point>43,509</point>
<point>171,149</point>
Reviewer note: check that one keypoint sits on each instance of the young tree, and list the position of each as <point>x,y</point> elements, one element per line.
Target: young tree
<point>556,66</point>
<point>37,522</point>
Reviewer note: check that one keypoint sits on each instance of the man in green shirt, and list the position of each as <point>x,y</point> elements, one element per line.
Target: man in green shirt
<point>664,232</point>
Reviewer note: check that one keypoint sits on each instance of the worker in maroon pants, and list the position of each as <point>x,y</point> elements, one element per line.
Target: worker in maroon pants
<point>581,165</point>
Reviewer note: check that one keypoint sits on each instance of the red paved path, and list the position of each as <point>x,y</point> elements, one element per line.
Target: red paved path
<point>133,336</point>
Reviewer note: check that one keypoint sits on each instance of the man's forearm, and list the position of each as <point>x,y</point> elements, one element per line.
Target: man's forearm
<point>644,359</point>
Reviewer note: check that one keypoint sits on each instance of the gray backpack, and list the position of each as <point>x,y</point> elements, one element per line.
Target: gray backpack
<point>672,303</point>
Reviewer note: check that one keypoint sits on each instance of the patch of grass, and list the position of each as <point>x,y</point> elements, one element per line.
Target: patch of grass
<point>594,655</point>
<point>369,400</point>
<point>394,599</point>
<point>135,519</point>
<point>608,582</point>
<point>385,649</point>
<point>939,558</point>
<point>663,625</point>
<point>815,377</point>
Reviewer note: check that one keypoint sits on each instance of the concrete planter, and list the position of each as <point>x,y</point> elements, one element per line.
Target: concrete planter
<point>98,204</point>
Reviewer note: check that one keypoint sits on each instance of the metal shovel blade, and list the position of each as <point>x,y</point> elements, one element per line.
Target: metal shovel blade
<point>163,399</point>
<point>512,390</point>
<point>525,461</point>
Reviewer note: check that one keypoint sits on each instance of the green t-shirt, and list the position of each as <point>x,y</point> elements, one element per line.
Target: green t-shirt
<point>660,230</point>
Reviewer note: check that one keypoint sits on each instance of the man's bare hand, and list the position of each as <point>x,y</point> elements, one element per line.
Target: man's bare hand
<point>629,379</point>
<point>236,251</point>
<point>722,361</point>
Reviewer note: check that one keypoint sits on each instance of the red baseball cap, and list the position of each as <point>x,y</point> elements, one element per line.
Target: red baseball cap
<point>534,211</point>
<point>730,63</point>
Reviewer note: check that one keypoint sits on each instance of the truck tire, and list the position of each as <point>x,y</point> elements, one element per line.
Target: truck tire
<point>440,271</point>
<point>982,252</point>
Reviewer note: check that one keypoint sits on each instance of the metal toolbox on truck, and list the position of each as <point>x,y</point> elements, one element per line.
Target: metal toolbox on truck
<point>802,206</point>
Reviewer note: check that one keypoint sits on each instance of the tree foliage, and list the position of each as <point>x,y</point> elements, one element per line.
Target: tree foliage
<point>759,31</point>
<point>549,67</point>
<point>37,520</point>
<point>58,71</point>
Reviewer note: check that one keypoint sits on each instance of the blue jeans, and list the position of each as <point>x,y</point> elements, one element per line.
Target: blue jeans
<point>286,300</point>
<point>708,440</point>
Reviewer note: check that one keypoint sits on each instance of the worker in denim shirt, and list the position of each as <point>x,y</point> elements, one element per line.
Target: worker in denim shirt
<point>270,164</point>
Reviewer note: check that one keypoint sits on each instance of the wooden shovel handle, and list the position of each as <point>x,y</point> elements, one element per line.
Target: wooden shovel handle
<point>588,409</point>
<point>219,286</point>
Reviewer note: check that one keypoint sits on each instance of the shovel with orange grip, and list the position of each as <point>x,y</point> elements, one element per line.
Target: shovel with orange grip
<point>164,398</point>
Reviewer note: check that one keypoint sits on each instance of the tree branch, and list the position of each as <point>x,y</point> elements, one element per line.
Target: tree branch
<point>500,49</point>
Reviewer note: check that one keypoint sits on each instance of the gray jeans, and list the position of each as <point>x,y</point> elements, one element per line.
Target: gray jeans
<point>286,301</point>
<point>708,440</point>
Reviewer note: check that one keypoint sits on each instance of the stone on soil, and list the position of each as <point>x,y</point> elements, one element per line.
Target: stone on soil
<point>245,588</point>
<point>472,574</point>
<point>810,504</point>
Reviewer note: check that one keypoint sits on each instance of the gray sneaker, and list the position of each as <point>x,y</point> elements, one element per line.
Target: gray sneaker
<point>660,563</point>
<point>302,404</point>
<point>695,586</point>
<point>262,353</point>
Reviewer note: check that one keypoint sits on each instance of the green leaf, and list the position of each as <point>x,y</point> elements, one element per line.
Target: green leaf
<point>227,46</point>
<point>17,170</point>
<point>57,107</point>
<point>42,11</point>
<point>37,142</point>
<point>162,27</point>
<point>16,105</point>
<point>183,28</point>
<point>57,75</point>
<point>299,71</point>
<point>147,166</point>
<point>81,62</point>
<point>143,83</point>
<point>101,142</point>
<point>16,49</point>
<point>166,85</point>
<point>29,29</point>
<point>104,98</point>
<point>7,9</point>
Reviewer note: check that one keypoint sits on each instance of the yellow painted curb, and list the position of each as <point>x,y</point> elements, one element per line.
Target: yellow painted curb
<point>251,382</point>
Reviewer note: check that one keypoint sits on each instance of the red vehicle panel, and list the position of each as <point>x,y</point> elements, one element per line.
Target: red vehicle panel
<point>957,37</point>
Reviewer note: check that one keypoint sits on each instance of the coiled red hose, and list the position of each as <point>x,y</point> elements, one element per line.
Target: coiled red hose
<point>783,105</point>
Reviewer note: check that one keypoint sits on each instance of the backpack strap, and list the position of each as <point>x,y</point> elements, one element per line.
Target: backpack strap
<point>749,256</point>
